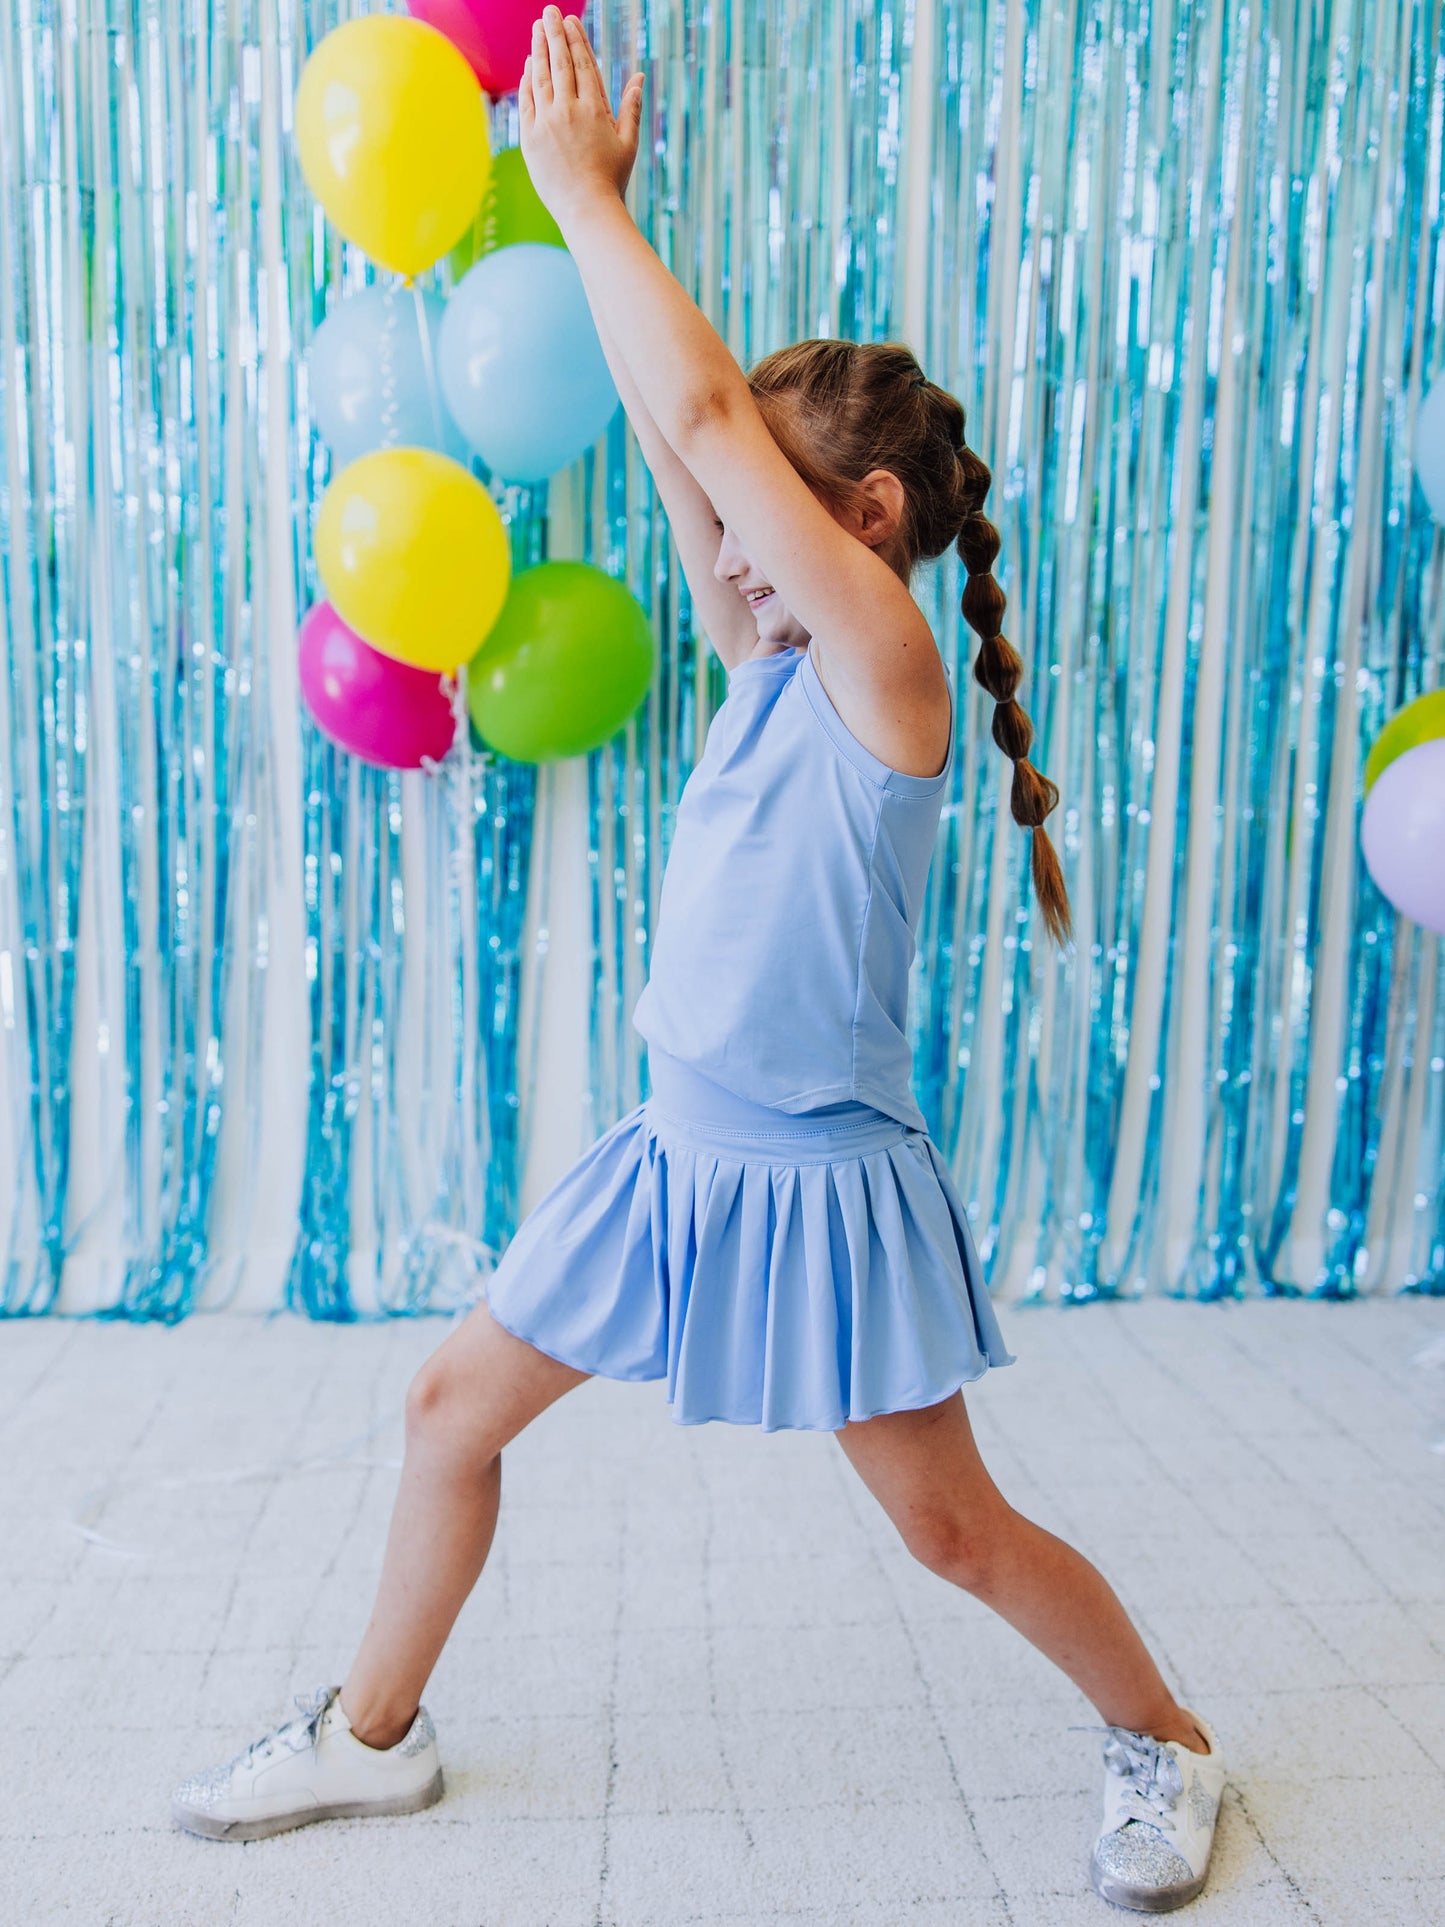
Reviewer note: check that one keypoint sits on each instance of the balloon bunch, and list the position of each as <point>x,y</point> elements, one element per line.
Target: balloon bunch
<point>406,387</point>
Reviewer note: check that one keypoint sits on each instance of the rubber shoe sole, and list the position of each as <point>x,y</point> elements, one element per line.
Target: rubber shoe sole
<point>1144,1900</point>
<point>209,1829</point>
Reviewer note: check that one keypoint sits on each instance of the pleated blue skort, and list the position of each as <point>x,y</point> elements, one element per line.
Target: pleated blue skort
<point>786,1271</point>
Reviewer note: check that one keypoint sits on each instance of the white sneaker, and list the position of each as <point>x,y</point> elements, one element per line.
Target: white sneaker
<point>1160,1805</point>
<point>313,1768</point>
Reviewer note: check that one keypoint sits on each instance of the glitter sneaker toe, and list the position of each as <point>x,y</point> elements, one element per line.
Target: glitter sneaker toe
<point>1136,1867</point>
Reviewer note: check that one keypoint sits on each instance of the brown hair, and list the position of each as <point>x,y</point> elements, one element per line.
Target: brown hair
<point>840,409</point>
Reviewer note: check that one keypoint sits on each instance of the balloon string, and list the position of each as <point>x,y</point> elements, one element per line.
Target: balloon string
<point>423,328</point>
<point>456,688</point>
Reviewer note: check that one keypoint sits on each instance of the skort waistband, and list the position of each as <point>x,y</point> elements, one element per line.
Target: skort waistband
<point>685,1106</point>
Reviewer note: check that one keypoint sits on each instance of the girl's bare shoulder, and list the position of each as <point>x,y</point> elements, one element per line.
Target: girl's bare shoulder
<point>900,710</point>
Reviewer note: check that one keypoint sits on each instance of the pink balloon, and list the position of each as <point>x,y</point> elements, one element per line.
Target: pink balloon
<point>494,35</point>
<point>382,710</point>
<point>1403,834</point>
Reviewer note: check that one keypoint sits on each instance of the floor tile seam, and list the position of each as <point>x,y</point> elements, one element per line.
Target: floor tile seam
<point>710,1657</point>
<point>850,1497</point>
<point>743,1712</point>
<point>1374,1693</point>
<point>880,1803</point>
<point>1261,1780</point>
<point>59,1588</point>
<point>600,1908</point>
<point>1334,1335</point>
<point>1318,1605</point>
<point>983,1699</point>
<point>827,1916</point>
<point>810,1708</point>
<point>243,1550</point>
<point>1409,1607</point>
<point>59,1350</point>
<point>1165,1370</point>
<point>1430,1880</point>
<point>1333,1420</point>
<point>468,1822</point>
<point>1237,1797</point>
<point>1289,1600</point>
<point>1141,1438</point>
<point>1346,1532</point>
<point>773,1625</point>
<point>1320,1691</point>
<point>1286,1596</point>
<point>319,1583</point>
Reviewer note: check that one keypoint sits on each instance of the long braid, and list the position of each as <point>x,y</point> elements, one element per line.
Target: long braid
<point>999,668</point>
<point>841,409</point>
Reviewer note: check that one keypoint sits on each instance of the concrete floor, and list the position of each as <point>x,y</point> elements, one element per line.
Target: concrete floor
<point>699,1681</point>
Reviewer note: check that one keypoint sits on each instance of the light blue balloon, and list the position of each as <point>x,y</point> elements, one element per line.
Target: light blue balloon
<point>373,379</point>
<point>521,366</point>
<point>1430,449</point>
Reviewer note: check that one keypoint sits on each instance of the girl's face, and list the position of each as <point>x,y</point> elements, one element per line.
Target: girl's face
<point>775,622</point>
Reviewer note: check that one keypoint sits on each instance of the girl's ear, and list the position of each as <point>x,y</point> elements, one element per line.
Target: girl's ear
<point>880,509</point>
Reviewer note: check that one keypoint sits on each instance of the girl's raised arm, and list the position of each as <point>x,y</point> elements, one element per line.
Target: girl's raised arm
<point>876,648</point>
<point>690,515</point>
<point>721,611</point>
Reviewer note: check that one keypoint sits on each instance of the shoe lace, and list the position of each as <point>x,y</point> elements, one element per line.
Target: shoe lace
<point>295,1734</point>
<point>1154,1784</point>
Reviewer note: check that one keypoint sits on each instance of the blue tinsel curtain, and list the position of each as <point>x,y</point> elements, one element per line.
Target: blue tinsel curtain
<point>1181,261</point>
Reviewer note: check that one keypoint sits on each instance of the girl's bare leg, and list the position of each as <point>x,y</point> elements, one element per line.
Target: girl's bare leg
<point>477,1391</point>
<point>924,1469</point>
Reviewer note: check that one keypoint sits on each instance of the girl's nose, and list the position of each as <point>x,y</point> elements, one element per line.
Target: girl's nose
<point>731,563</point>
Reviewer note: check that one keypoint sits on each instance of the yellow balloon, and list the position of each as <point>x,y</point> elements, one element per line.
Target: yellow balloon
<point>414,556</point>
<point>392,134</point>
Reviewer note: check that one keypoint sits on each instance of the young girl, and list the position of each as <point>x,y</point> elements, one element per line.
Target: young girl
<point>773,1231</point>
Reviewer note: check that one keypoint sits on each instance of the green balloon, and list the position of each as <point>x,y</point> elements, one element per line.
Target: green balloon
<point>1418,722</point>
<point>512,210</point>
<point>568,661</point>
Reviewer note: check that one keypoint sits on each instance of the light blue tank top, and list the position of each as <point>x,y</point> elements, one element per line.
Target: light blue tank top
<point>790,903</point>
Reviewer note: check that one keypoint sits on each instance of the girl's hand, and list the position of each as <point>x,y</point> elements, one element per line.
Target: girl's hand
<point>573,147</point>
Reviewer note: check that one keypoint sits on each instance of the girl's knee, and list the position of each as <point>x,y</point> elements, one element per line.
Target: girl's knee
<point>963,1550</point>
<point>444,1412</point>
<point>425,1397</point>
<point>480,1388</point>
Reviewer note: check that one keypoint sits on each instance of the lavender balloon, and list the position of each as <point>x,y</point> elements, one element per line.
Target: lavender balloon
<point>1403,834</point>
<point>384,711</point>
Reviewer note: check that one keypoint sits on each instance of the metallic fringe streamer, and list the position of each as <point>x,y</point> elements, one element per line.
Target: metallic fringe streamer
<point>198,895</point>
<point>1182,263</point>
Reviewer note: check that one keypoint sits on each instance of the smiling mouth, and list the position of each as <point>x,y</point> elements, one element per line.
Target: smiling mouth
<point>755,596</point>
